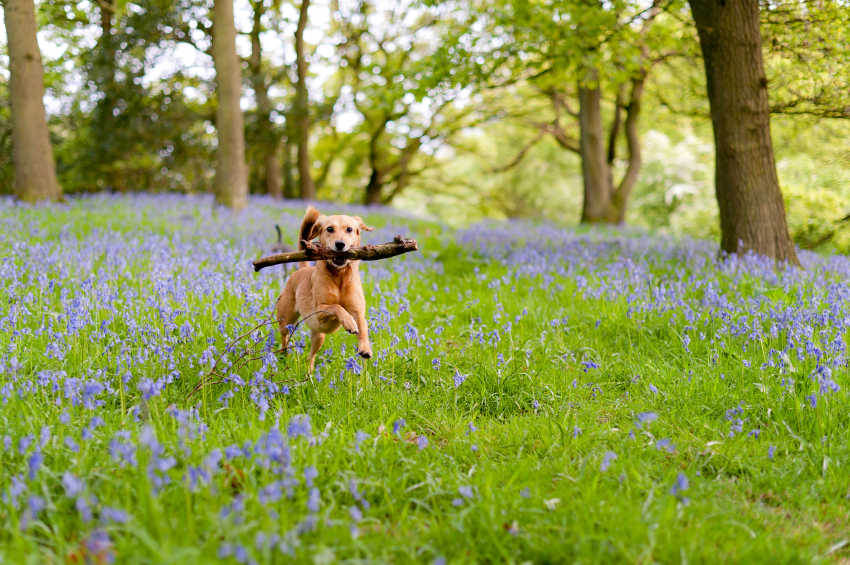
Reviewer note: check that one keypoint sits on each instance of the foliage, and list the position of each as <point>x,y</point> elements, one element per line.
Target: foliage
<point>537,394</point>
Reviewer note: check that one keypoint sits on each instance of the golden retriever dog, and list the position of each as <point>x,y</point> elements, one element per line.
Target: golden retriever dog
<point>328,295</point>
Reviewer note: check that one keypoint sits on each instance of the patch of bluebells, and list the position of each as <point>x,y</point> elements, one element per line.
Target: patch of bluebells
<point>142,340</point>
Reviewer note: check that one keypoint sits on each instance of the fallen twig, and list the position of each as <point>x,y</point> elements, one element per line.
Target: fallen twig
<point>318,252</point>
<point>241,361</point>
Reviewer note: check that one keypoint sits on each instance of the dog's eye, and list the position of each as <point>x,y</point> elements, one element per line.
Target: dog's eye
<point>330,229</point>
<point>349,230</point>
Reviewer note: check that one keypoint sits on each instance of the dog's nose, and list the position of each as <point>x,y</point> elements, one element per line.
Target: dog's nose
<point>340,245</point>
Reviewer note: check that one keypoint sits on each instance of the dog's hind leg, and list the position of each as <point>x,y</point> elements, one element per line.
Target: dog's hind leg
<point>317,339</point>
<point>286,312</point>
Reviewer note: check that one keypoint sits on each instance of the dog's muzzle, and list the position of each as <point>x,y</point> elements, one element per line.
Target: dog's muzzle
<point>338,263</point>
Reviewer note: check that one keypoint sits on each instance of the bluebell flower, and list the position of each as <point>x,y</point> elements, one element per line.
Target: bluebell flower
<point>459,379</point>
<point>664,445</point>
<point>313,500</point>
<point>607,458</point>
<point>352,366</point>
<point>680,485</point>
<point>355,513</point>
<point>114,515</point>
<point>398,425</point>
<point>422,442</point>
<point>310,473</point>
<point>646,417</point>
<point>73,486</point>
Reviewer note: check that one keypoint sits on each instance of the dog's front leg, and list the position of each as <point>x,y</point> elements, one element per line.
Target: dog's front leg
<point>364,347</point>
<point>347,321</point>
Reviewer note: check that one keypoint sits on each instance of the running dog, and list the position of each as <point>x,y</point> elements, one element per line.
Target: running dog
<point>328,295</point>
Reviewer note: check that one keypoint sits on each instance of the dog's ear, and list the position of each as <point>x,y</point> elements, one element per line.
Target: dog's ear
<point>317,227</point>
<point>362,225</point>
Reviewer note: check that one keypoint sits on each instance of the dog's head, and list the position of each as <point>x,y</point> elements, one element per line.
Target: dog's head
<point>339,233</point>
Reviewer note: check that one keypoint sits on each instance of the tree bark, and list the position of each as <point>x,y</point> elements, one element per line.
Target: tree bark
<point>231,174</point>
<point>752,212</point>
<point>32,155</point>
<point>620,198</point>
<point>605,201</point>
<point>305,179</point>
<point>597,175</point>
<point>266,135</point>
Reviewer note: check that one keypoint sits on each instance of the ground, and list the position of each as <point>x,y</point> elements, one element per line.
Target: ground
<point>537,394</point>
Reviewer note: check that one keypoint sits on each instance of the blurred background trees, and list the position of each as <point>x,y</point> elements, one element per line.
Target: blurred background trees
<point>571,111</point>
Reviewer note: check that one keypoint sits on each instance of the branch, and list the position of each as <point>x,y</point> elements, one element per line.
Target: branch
<point>318,252</point>
<point>520,156</point>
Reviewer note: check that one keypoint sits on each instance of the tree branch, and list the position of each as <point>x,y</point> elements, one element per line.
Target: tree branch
<point>318,252</point>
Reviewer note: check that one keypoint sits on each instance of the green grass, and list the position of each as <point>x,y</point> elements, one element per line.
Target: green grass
<point>539,493</point>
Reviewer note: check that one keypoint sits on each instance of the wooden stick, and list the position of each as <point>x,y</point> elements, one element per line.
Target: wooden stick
<point>318,252</point>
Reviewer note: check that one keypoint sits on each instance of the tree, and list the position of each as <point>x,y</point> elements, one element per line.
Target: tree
<point>266,136</point>
<point>403,90</point>
<point>575,54</point>
<point>35,169</point>
<point>302,109</point>
<point>752,212</point>
<point>231,175</point>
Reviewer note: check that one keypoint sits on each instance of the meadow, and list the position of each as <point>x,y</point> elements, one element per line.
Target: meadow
<point>538,394</point>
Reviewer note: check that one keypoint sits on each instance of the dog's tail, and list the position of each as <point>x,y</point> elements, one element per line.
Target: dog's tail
<point>306,231</point>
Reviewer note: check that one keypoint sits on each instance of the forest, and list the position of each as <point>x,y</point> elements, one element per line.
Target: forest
<point>573,110</point>
<point>580,291</point>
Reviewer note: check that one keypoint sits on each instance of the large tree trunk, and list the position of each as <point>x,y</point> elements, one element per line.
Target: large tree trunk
<point>308,190</point>
<point>266,135</point>
<point>35,170</point>
<point>752,213</point>
<point>231,174</point>
<point>596,173</point>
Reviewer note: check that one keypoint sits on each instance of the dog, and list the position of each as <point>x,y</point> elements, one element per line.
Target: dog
<point>329,295</point>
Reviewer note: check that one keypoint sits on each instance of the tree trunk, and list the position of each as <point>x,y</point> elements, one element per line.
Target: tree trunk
<point>752,213</point>
<point>305,179</point>
<point>32,155</point>
<point>403,177</point>
<point>376,178</point>
<point>620,199</point>
<point>104,74</point>
<point>231,174</point>
<point>373,189</point>
<point>288,180</point>
<point>266,135</point>
<point>596,173</point>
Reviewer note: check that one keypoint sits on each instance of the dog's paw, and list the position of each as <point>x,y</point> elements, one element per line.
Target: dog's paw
<point>351,328</point>
<point>365,353</point>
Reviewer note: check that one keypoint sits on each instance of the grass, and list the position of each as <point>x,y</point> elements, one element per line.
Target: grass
<point>535,447</point>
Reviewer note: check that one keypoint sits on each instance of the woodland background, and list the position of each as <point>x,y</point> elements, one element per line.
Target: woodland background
<point>458,110</point>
